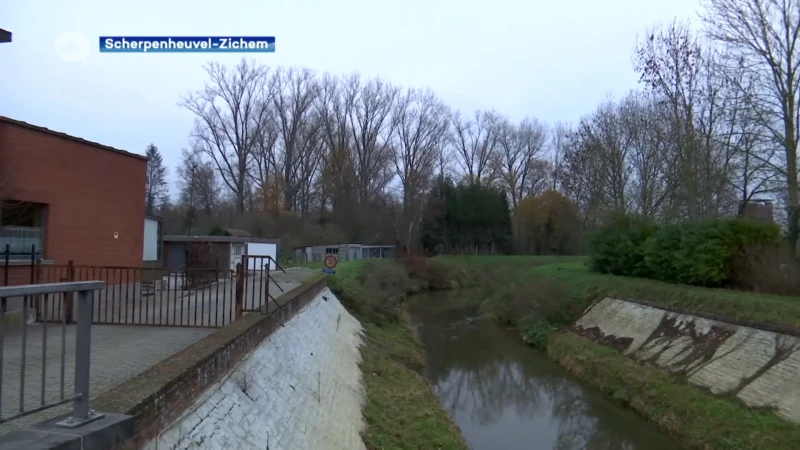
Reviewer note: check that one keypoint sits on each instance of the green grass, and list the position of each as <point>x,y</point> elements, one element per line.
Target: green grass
<point>402,411</point>
<point>763,308</point>
<point>695,418</point>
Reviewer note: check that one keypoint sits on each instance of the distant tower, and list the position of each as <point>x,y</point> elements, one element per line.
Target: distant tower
<point>757,209</point>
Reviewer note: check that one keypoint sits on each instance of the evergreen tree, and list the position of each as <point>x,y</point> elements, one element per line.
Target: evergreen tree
<point>468,218</point>
<point>156,188</point>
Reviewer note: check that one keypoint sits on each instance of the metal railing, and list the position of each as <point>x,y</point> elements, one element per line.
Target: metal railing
<point>22,336</point>
<point>256,279</point>
<point>149,296</point>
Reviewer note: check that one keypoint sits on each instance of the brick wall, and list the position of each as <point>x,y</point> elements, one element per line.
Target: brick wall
<point>91,193</point>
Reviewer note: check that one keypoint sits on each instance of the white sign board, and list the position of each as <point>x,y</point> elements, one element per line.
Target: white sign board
<point>258,249</point>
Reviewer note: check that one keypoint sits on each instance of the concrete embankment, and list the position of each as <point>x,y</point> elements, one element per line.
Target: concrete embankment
<point>300,388</point>
<point>758,366</point>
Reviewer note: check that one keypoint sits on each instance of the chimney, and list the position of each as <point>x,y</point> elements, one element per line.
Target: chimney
<point>757,210</point>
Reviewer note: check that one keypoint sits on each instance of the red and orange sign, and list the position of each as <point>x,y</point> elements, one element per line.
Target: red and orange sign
<point>331,261</point>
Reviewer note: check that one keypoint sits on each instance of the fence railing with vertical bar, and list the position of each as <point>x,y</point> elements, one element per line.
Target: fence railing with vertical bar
<point>258,281</point>
<point>155,296</point>
<point>27,356</point>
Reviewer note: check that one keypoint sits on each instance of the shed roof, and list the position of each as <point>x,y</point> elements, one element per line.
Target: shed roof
<point>183,238</point>
<point>29,126</point>
<point>234,232</point>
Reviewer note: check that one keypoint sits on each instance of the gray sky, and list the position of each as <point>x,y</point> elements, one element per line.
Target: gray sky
<point>555,60</point>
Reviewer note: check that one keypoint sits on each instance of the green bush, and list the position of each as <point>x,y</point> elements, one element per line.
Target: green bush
<point>660,250</point>
<point>617,247</point>
<point>704,253</point>
<point>696,253</point>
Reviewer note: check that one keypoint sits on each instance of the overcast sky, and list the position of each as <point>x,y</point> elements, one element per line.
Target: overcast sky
<point>555,60</point>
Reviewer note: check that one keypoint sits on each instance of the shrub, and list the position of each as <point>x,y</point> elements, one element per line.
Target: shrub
<point>660,250</point>
<point>431,274</point>
<point>535,331</point>
<point>538,298</point>
<point>703,253</point>
<point>617,247</point>
<point>697,253</point>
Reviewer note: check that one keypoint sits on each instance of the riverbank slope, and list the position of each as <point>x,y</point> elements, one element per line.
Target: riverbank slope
<point>401,411</point>
<point>543,297</point>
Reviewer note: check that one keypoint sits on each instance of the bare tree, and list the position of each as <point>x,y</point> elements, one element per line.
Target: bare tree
<point>642,118</point>
<point>474,142</point>
<point>420,127</point>
<point>518,148</point>
<point>369,108</point>
<point>230,113</point>
<point>337,167</point>
<point>558,141</point>
<point>595,169</point>
<point>443,165</point>
<point>198,183</point>
<point>294,95</point>
<point>263,170</point>
<point>761,38</point>
<point>747,140</point>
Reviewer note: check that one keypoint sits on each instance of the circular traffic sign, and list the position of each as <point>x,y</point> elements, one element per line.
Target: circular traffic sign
<point>331,261</point>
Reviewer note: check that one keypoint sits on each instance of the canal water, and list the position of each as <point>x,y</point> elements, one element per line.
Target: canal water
<point>505,395</point>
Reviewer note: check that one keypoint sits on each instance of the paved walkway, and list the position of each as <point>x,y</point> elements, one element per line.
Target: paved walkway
<point>119,352</point>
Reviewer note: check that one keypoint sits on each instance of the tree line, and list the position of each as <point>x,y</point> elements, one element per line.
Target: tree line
<point>320,157</point>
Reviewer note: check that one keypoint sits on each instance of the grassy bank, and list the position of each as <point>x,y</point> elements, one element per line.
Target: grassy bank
<point>763,308</point>
<point>540,296</point>
<point>695,418</point>
<point>402,411</point>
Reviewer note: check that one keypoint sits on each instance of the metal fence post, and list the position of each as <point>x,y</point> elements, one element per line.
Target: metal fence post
<point>81,411</point>
<point>239,290</point>
<point>6,257</point>
<point>69,298</point>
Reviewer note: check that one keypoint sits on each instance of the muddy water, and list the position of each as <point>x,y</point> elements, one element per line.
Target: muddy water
<point>505,395</point>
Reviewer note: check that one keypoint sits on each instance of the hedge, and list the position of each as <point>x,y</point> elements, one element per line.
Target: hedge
<point>697,253</point>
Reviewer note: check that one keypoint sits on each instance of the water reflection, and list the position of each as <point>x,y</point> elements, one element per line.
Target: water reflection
<point>504,395</point>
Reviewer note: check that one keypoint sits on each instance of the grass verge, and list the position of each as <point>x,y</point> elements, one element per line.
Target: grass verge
<point>761,308</point>
<point>697,419</point>
<point>402,411</point>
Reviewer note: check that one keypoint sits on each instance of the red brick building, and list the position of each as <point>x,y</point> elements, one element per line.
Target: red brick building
<point>69,198</point>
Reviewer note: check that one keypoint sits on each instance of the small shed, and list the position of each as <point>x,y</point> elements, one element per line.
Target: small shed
<point>215,252</point>
<point>343,252</point>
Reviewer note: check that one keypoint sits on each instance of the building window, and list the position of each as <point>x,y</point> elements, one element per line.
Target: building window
<point>21,225</point>
<point>237,251</point>
<point>332,251</point>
